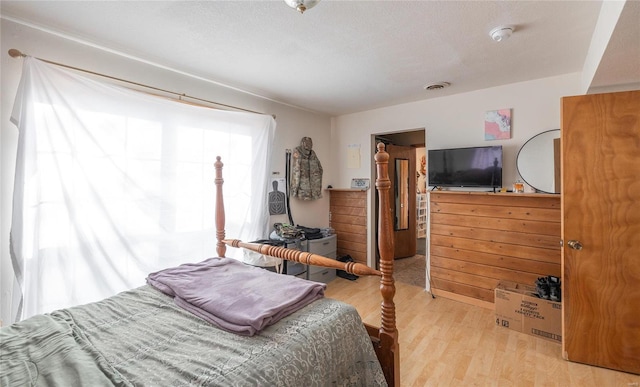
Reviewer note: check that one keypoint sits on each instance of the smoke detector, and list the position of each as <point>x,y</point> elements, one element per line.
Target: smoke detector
<point>437,86</point>
<point>501,33</point>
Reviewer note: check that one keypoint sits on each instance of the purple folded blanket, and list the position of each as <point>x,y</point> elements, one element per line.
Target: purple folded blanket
<point>234,296</point>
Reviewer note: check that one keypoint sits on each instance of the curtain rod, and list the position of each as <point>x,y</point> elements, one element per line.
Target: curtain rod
<point>14,53</point>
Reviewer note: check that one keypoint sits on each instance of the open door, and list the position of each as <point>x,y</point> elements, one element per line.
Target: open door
<point>402,174</point>
<point>601,229</point>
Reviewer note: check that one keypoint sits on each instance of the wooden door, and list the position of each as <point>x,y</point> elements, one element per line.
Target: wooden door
<point>601,211</point>
<point>404,236</point>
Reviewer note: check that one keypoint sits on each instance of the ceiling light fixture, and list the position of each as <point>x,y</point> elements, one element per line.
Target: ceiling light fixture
<point>501,33</point>
<point>301,5</point>
<point>437,86</point>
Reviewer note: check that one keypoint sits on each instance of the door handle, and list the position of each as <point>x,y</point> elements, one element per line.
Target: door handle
<point>576,245</point>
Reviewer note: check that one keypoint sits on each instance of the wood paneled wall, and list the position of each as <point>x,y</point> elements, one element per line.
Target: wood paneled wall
<point>478,239</point>
<point>348,217</point>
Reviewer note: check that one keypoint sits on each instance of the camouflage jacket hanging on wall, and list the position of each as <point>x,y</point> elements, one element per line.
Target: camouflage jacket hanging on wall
<point>306,174</point>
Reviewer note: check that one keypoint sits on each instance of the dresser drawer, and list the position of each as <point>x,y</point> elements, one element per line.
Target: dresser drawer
<point>317,269</point>
<point>324,275</point>
<point>327,248</point>
<point>323,246</point>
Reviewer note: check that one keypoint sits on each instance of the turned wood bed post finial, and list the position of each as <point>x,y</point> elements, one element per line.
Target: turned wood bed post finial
<point>221,248</point>
<point>385,242</point>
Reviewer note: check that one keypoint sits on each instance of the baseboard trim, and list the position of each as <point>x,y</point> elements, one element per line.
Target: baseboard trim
<point>465,299</point>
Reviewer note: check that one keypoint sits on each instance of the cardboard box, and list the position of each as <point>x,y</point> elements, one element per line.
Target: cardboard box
<point>519,309</point>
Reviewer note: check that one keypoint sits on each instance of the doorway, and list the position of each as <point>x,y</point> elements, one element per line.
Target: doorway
<point>410,255</point>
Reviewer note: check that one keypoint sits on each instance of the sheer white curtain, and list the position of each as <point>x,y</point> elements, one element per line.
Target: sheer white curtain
<point>112,184</point>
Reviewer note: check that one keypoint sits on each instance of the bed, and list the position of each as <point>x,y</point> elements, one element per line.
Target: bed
<point>144,337</point>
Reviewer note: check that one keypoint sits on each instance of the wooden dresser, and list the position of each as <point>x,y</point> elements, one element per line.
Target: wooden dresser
<point>348,217</point>
<point>478,239</point>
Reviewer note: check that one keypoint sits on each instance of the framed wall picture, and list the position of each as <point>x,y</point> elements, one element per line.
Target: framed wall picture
<point>360,183</point>
<point>497,124</point>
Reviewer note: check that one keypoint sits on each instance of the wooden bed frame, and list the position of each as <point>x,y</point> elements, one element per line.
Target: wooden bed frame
<point>385,337</point>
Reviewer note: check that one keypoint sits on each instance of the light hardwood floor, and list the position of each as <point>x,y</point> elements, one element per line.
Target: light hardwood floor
<point>449,343</point>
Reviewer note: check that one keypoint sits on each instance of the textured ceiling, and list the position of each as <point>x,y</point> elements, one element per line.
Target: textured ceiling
<point>341,56</point>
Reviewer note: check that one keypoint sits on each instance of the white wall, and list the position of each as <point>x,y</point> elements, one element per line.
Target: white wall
<point>454,121</point>
<point>292,123</point>
<point>607,20</point>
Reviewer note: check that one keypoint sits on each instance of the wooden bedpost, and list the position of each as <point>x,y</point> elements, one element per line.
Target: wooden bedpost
<point>385,337</point>
<point>221,248</point>
<point>388,332</point>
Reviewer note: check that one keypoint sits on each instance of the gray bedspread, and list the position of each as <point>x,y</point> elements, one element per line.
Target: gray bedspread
<point>141,338</point>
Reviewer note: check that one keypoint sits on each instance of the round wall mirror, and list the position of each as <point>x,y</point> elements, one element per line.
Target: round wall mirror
<point>538,161</point>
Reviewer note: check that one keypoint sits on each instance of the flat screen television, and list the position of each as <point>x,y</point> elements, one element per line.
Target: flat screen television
<point>465,167</point>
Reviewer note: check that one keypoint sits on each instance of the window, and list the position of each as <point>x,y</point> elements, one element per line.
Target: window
<point>112,184</point>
